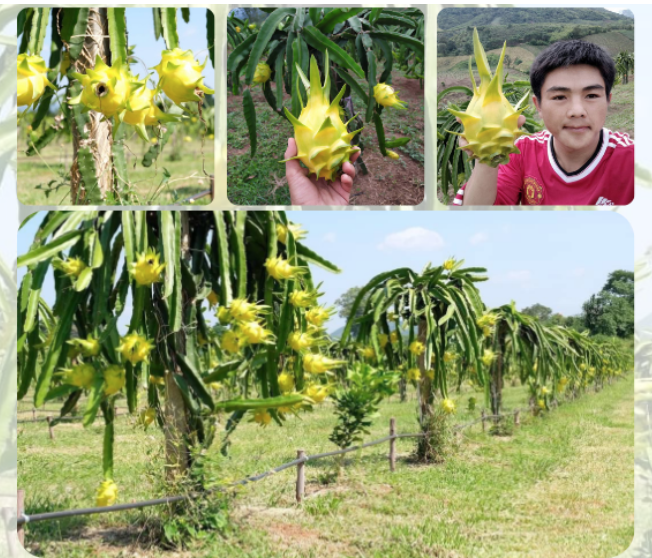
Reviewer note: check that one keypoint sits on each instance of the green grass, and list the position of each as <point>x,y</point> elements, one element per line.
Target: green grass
<point>613,41</point>
<point>621,111</point>
<point>253,181</point>
<point>561,486</point>
<point>45,179</point>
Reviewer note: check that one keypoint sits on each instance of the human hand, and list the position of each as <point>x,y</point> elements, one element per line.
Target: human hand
<point>463,142</point>
<point>309,191</point>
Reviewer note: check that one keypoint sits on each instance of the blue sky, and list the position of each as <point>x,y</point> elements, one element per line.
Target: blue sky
<point>140,29</point>
<point>554,258</point>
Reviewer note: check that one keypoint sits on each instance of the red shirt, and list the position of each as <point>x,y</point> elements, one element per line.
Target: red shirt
<point>534,177</point>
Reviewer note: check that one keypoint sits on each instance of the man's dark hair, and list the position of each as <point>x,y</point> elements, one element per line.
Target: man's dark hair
<point>571,53</point>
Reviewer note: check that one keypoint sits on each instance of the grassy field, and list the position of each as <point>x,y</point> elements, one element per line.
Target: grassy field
<point>621,110</point>
<point>45,179</point>
<point>561,486</point>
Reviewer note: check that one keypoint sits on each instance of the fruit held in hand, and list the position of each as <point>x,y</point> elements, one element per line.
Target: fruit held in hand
<point>323,141</point>
<point>490,121</point>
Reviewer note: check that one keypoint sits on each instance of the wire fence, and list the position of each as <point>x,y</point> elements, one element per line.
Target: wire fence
<point>299,463</point>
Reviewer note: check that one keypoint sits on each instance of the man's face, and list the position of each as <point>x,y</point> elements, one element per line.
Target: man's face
<point>574,106</point>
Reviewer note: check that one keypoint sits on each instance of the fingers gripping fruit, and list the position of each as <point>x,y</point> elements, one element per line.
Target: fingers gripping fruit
<point>490,122</point>
<point>323,141</point>
<point>180,76</point>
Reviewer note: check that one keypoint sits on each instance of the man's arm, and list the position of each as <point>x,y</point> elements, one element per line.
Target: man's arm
<point>482,187</point>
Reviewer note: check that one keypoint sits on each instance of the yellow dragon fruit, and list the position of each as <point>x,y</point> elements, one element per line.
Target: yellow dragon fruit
<point>490,121</point>
<point>323,141</point>
<point>107,493</point>
<point>387,97</point>
<point>142,110</point>
<point>81,375</point>
<point>180,76</point>
<point>263,73</point>
<point>32,79</point>
<point>105,89</point>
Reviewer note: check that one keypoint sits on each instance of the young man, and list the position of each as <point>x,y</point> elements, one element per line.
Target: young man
<point>575,160</point>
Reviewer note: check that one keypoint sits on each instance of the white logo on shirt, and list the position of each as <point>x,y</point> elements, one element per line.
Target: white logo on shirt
<point>604,201</point>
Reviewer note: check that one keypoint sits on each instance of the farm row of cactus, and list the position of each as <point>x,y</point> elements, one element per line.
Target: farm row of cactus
<point>265,354</point>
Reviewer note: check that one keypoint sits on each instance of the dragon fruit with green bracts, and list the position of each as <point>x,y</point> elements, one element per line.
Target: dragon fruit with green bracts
<point>490,121</point>
<point>323,140</point>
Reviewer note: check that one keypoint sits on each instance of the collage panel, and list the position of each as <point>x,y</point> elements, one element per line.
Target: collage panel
<point>211,350</point>
<point>116,106</point>
<point>535,106</point>
<point>326,106</point>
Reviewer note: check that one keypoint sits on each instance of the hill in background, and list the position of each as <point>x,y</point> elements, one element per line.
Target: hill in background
<point>527,32</point>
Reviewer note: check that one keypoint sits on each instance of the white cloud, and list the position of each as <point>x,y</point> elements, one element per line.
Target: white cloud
<point>330,237</point>
<point>479,238</point>
<point>414,238</point>
<point>578,272</point>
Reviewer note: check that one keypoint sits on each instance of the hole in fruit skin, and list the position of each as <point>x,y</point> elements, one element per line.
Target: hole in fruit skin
<point>101,90</point>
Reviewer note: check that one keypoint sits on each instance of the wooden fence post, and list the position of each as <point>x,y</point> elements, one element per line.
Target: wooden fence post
<point>20,509</point>
<point>392,444</point>
<point>49,419</point>
<point>517,418</point>
<point>301,476</point>
<point>483,419</point>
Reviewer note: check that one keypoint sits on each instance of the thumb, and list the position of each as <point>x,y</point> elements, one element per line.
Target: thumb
<point>521,121</point>
<point>293,170</point>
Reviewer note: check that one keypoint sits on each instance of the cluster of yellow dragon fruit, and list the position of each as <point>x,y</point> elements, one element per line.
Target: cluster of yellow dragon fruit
<point>304,341</point>
<point>84,354</point>
<point>490,121</point>
<point>115,92</point>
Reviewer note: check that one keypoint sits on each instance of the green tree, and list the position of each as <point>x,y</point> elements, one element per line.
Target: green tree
<point>519,342</point>
<point>538,311</point>
<point>611,311</point>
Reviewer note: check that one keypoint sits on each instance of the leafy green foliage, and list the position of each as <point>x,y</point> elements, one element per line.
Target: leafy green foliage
<point>357,403</point>
<point>611,311</point>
